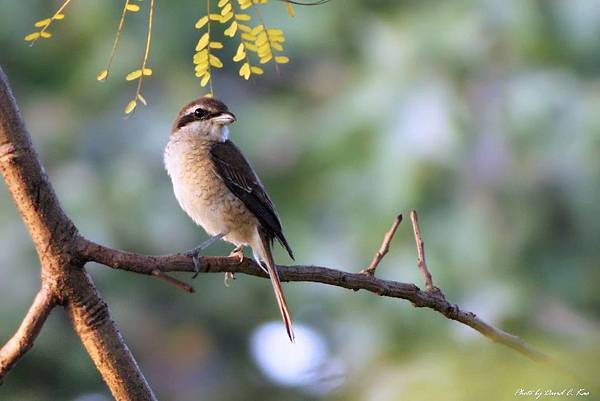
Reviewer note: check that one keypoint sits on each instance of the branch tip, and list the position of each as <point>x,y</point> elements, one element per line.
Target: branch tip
<point>32,324</point>
<point>421,263</point>
<point>384,248</point>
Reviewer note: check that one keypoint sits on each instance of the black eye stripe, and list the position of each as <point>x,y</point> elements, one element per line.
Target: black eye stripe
<point>185,120</point>
<point>198,114</point>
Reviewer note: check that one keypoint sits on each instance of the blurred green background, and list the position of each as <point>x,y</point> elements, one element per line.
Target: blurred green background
<point>481,114</point>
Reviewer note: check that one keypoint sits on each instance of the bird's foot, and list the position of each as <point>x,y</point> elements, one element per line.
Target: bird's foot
<point>196,260</point>
<point>239,252</point>
<point>195,253</point>
<point>227,279</point>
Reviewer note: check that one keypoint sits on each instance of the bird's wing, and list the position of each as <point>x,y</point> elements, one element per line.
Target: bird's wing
<point>237,174</point>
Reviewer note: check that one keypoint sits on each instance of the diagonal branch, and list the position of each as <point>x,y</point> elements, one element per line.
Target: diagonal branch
<point>180,262</point>
<point>23,339</point>
<point>385,247</point>
<point>421,264</point>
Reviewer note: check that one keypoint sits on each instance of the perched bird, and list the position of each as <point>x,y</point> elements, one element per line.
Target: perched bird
<point>216,186</point>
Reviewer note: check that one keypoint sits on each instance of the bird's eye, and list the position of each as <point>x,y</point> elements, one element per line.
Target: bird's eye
<point>199,113</point>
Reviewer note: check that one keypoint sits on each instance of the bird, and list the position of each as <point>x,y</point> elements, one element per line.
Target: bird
<point>219,190</point>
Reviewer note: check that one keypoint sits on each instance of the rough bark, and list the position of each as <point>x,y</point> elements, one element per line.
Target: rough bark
<point>62,274</point>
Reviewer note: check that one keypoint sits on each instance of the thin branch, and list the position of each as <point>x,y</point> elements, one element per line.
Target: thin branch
<point>23,339</point>
<point>421,252</point>
<point>143,264</point>
<point>172,280</point>
<point>385,247</point>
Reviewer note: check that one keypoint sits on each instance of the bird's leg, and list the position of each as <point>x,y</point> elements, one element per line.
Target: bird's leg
<point>239,252</point>
<point>196,252</point>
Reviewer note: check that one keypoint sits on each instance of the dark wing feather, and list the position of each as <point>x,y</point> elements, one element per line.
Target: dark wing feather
<point>237,174</point>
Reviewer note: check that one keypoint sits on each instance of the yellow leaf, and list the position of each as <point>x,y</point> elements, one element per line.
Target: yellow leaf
<point>222,3</point>
<point>257,29</point>
<point>133,75</point>
<point>231,30</point>
<point>248,36</point>
<point>45,34</point>
<point>277,46</point>
<point>240,54</point>
<point>102,75</point>
<point>244,4</point>
<point>274,32</point>
<point>134,8</point>
<point>214,61</point>
<point>142,99</point>
<point>282,60</point>
<point>256,70</point>
<point>244,28</point>
<point>251,47</point>
<point>209,94</point>
<point>226,17</point>
<point>265,59</point>
<point>216,45</point>
<point>42,23</point>
<point>147,71</point>
<point>276,38</point>
<point>290,10</point>
<point>245,71</point>
<point>58,16</point>
<point>200,56</point>
<point>205,80</point>
<point>32,36</point>
<point>202,42</point>
<point>226,10</point>
<point>242,17</point>
<point>215,17</point>
<point>201,22</point>
<point>201,69</point>
<point>130,106</point>
<point>261,40</point>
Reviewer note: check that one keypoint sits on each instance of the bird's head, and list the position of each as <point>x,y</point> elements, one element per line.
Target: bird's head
<point>206,117</point>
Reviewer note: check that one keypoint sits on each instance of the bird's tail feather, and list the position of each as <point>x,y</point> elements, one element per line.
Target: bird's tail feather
<point>264,251</point>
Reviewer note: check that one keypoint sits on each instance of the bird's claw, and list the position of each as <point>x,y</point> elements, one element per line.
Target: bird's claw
<point>239,253</point>
<point>195,253</point>
<point>228,277</point>
<point>196,260</point>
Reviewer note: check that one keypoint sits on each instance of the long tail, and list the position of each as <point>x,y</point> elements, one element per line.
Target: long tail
<point>264,252</point>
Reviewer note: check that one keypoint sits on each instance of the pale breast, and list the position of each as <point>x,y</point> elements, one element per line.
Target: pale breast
<point>202,194</point>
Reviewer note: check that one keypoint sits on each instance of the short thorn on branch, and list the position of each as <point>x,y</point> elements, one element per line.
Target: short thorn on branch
<point>384,249</point>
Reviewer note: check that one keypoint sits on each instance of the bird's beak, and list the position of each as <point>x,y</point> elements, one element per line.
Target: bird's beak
<point>224,118</point>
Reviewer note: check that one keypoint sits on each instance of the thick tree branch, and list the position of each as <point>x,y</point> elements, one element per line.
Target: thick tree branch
<point>23,339</point>
<point>143,264</point>
<point>54,237</point>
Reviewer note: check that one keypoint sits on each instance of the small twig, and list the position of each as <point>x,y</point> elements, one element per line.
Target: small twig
<point>421,252</point>
<point>384,249</point>
<point>23,339</point>
<point>172,280</point>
